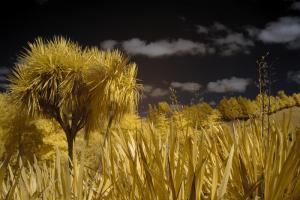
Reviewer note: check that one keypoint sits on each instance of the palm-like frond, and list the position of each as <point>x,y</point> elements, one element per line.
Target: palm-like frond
<point>116,93</point>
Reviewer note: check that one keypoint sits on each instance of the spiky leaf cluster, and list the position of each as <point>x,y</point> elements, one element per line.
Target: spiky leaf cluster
<point>80,86</point>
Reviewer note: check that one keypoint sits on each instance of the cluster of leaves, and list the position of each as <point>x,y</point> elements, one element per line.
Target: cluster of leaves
<point>61,76</point>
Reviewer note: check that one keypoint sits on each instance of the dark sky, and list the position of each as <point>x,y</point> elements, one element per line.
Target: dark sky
<point>203,50</point>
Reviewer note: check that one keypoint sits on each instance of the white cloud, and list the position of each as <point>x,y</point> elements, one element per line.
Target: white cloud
<point>284,30</point>
<point>232,84</point>
<point>233,43</point>
<point>220,27</point>
<point>186,86</point>
<point>294,76</point>
<point>201,29</point>
<point>158,48</point>
<point>230,49</point>
<point>234,38</point>
<point>154,92</point>
<point>148,88</point>
<point>225,44</point>
<point>211,50</point>
<point>295,44</point>
<point>159,92</point>
<point>225,41</point>
<point>108,44</point>
<point>296,6</point>
<point>252,31</point>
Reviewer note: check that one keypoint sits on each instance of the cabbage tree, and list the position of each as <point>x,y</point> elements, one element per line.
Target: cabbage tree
<point>78,87</point>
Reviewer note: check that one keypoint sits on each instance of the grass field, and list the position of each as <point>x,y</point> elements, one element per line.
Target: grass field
<point>185,163</point>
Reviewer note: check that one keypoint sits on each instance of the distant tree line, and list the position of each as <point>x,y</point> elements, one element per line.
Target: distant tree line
<point>232,108</point>
<point>41,136</point>
<point>242,108</point>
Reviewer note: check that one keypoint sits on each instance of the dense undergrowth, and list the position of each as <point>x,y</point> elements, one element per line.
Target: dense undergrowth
<point>213,163</point>
<point>166,157</point>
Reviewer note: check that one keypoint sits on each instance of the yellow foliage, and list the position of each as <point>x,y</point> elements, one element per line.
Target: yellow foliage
<point>28,136</point>
<point>285,101</point>
<point>60,76</point>
<point>77,87</point>
<point>218,163</point>
<point>18,131</point>
<point>230,108</point>
<point>296,97</point>
<point>200,115</point>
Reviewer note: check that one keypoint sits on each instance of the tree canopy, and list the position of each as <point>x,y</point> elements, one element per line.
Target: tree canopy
<point>78,87</point>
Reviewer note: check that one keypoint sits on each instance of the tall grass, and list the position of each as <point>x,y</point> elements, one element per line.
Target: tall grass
<point>215,163</point>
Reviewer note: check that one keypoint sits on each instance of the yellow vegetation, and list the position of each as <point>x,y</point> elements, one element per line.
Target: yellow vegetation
<point>176,152</point>
<point>214,163</point>
<point>77,87</point>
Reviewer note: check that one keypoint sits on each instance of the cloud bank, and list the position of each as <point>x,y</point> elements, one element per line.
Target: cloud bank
<point>159,92</point>
<point>286,30</point>
<point>294,76</point>
<point>296,6</point>
<point>219,39</point>
<point>108,44</point>
<point>226,41</point>
<point>159,48</point>
<point>232,84</point>
<point>186,86</point>
<point>154,92</point>
<point>201,29</point>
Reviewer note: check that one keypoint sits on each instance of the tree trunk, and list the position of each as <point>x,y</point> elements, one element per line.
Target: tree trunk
<point>70,133</point>
<point>70,141</point>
